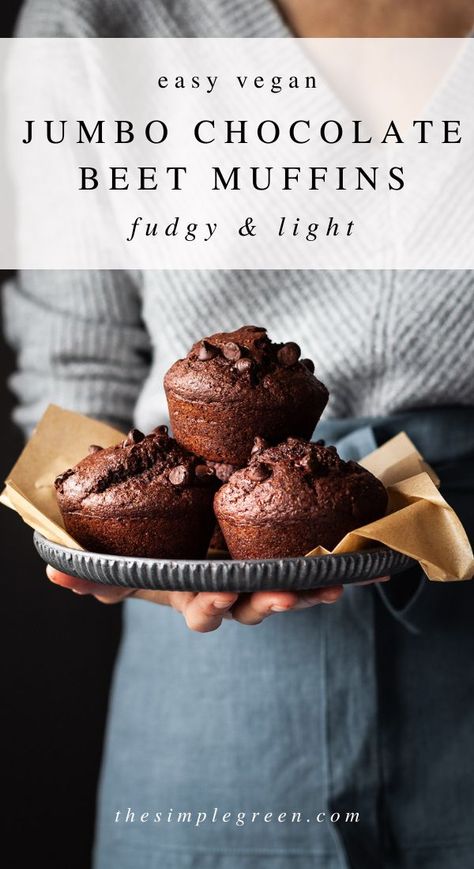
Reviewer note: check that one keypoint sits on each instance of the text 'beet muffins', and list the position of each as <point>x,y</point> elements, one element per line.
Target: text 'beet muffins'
<point>147,496</point>
<point>294,497</point>
<point>234,386</point>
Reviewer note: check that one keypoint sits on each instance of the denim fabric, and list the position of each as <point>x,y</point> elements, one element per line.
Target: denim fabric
<point>332,709</point>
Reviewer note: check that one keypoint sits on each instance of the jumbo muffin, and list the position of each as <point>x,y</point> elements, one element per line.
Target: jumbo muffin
<point>233,386</point>
<point>147,496</point>
<point>293,497</point>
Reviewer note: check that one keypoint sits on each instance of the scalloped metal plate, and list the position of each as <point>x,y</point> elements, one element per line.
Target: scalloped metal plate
<point>223,575</point>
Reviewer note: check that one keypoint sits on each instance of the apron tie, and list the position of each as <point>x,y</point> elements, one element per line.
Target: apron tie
<point>355,445</point>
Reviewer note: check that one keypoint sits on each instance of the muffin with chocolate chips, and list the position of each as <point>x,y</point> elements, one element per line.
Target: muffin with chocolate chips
<point>233,386</point>
<point>147,496</point>
<point>293,497</point>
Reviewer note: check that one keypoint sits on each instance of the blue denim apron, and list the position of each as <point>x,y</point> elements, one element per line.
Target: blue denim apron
<point>363,707</point>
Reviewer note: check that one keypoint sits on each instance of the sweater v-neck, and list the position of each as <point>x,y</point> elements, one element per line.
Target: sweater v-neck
<point>264,18</point>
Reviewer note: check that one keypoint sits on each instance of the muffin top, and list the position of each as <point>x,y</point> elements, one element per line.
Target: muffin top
<point>137,475</point>
<point>295,479</point>
<point>224,366</point>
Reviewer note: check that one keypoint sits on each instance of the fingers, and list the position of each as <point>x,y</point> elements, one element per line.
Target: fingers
<point>204,612</point>
<point>254,608</point>
<point>103,593</point>
<point>372,581</point>
<point>109,594</point>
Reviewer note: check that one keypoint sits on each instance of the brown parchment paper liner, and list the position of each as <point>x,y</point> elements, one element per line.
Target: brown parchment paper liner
<point>419,522</point>
<point>60,440</point>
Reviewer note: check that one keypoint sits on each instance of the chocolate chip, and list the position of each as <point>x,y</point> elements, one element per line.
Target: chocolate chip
<point>161,430</point>
<point>134,437</point>
<point>232,351</point>
<point>308,463</point>
<point>259,472</point>
<point>62,477</point>
<point>309,364</point>
<point>203,471</point>
<point>179,475</point>
<point>320,443</point>
<point>289,354</point>
<point>259,445</point>
<point>332,449</point>
<point>207,351</point>
<point>94,448</point>
<point>223,472</point>
<point>244,365</point>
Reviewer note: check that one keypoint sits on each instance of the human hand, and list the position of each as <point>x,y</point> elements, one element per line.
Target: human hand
<point>204,612</point>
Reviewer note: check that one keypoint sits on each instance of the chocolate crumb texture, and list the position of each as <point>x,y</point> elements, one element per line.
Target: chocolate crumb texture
<point>293,497</point>
<point>146,496</point>
<point>234,386</point>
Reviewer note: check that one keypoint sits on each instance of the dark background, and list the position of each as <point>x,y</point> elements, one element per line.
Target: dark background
<point>57,651</point>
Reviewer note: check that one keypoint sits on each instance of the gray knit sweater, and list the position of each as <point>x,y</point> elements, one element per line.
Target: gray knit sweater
<point>100,342</point>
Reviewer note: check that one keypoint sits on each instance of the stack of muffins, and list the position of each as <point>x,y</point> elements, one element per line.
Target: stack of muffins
<point>242,409</point>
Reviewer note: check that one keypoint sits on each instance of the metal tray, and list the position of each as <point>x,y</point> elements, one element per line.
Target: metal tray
<point>224,575</point>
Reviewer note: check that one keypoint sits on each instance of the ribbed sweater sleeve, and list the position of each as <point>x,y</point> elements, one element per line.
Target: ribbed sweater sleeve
<point>80,343</point>
<point>79,337</point>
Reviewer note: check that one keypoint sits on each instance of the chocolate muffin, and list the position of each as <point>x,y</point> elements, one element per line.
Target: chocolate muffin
<point>233,386</point>
<point>147,496</point>
<point>293,497</point>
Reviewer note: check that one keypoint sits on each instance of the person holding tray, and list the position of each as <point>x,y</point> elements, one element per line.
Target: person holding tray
<point>324,736</point>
